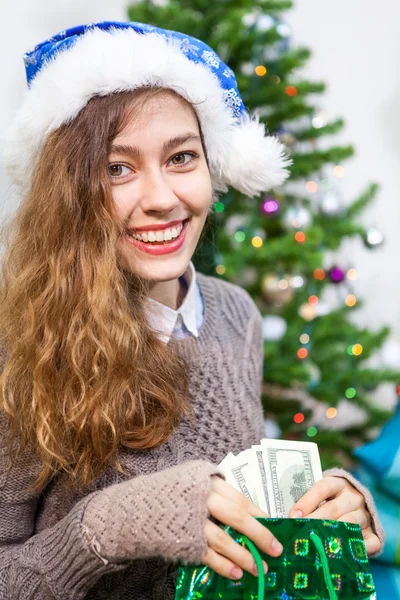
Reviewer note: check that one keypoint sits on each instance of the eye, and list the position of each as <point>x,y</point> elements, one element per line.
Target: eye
<point>116,171</point>
<point>180,158</point>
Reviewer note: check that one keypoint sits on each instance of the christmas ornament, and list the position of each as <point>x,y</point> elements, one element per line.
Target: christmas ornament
<point>308,312</point>
<point>373,239</point>
<point>296,217</point>
<point>273,327</point>
<point>330,203</point>
<point>336,274</point>
<point>320,119</point>
<point>272,429</point>
<point>277,290</point>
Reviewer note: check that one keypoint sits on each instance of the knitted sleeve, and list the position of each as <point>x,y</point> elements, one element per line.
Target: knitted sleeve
<point>162,514</point>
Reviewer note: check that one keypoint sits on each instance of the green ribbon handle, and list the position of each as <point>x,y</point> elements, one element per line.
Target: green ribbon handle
<point>325,567</point>
<point>260,568</point>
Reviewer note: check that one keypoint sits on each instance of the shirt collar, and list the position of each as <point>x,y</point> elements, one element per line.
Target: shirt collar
<point>164,319</point>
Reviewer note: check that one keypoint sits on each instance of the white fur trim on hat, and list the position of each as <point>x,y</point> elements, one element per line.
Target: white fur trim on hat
<point>99,63</point>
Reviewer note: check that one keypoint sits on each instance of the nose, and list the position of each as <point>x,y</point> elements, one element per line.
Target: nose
<point>157,194</point>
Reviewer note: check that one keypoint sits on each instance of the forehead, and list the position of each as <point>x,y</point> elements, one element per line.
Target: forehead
<point>159,117</point>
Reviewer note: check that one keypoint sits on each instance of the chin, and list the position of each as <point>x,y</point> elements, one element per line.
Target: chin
<point>165,268</point>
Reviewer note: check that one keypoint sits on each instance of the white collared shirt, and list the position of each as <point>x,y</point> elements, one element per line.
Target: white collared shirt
<point>184,321</point>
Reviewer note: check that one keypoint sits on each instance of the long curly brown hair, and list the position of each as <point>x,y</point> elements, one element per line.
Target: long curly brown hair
<point>84,372</point>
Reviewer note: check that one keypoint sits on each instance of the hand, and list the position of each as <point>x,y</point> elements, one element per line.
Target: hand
<point>342,502</point>
<point>224,555</point>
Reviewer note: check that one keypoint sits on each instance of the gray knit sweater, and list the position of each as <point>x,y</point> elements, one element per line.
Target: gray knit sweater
<point>121,538</point>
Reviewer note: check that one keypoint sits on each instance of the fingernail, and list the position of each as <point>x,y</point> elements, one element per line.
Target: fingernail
<point>297,514</point>
<point>276,546</point>
<point>254,569</point>
<point>265,567</point>
<point>236,573</point>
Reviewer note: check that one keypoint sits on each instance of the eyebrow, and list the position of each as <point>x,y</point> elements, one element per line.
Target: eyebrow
<point>169,145</point>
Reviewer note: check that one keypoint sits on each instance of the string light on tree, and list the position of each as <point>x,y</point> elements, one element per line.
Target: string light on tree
<point>260,70</point>
<point>270,206</point>
<point>298,418</point>
<point>331,412</point>
<point>300,237</point>
<point>351,300</point>
<point>319,274</point>
<point>357,349</point>
<point>351,274</point>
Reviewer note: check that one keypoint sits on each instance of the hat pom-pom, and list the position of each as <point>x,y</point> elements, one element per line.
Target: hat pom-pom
<point>256,162</point>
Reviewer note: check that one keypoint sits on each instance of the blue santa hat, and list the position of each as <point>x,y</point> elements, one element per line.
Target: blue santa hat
<point>67,70</point>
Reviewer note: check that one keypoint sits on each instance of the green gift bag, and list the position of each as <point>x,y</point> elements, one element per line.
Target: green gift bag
<point>321,560</point>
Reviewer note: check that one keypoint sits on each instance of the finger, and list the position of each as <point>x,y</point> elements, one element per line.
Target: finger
<point>320,491</point>
<point>221,565</point>
<point>334,509</point>
<point>371,541</point>
<point>234,514</point>
<point>360,517</point>
<point>223,544</point>
<point>225,489</point>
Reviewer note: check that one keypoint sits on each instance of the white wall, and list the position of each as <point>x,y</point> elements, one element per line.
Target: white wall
<point>355,51</point>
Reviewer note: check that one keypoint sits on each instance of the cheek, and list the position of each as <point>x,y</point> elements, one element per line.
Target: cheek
<point>197,195</point>
<point>122,197</point>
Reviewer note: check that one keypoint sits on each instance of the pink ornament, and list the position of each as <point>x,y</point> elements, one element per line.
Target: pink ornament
<point>336,275</point>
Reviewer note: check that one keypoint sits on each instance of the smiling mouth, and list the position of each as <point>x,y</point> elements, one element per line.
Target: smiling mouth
<point>158,237</point>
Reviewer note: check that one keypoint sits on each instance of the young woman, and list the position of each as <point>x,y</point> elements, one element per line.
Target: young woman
<point>127,377</point>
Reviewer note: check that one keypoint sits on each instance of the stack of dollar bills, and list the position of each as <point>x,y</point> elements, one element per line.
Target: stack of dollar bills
<point>274,474</point>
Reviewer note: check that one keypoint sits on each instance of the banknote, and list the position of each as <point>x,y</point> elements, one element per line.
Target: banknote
<point>274,474</point>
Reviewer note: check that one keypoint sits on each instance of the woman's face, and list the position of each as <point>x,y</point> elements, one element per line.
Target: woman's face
<point>161,188</point>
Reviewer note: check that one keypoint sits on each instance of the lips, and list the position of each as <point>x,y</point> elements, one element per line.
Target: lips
<point>156,227</point>
<point>157,248</point>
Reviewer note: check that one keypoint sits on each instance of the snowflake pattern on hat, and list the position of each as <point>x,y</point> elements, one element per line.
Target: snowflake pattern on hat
<point>194,49</point>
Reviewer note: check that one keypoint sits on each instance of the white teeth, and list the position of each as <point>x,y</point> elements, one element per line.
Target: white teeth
<point>159,236</point>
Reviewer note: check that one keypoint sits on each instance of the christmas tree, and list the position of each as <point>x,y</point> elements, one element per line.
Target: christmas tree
<point>279,247</point>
